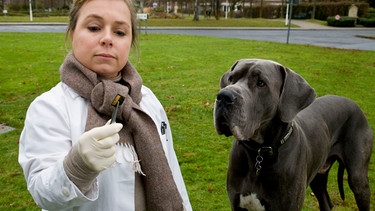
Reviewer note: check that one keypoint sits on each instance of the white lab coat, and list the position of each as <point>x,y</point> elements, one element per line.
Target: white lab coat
<point>54,122</point>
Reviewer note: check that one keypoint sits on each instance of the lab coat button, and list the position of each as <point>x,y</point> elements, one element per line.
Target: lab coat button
<point>65,191</point>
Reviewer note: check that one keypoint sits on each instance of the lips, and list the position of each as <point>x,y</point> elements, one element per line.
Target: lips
<point>224,128</point>
<point>105,55</point>
<point>221,120</point>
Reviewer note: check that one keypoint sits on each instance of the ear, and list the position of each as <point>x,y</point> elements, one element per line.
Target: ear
<point>295,95</point>
<point>224,79</point>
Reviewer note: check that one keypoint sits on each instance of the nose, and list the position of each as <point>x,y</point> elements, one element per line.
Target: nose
<point>106,40</point>
<point>226,97</point>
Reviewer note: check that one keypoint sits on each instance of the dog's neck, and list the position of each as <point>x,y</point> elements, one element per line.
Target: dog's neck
<point>272,132</point>
<point>274,136</point>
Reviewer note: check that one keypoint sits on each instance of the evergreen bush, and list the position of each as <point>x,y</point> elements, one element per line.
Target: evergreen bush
<point>342,21</point>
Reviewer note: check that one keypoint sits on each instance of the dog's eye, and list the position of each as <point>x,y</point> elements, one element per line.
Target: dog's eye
<point>230,79</point>
<point>260,83</point>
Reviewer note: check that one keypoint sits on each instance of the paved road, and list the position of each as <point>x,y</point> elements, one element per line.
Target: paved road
<point>345,39</point>
<point>319,36</point>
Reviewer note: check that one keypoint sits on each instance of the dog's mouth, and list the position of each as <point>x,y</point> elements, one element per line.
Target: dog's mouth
<point>223,106</point>
<point>226,122</point>
<point>226,127</point>
<point>223,127</point>
<point>221,118</point>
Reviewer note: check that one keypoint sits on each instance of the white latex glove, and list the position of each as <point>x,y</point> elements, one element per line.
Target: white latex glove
<point>97,146</point>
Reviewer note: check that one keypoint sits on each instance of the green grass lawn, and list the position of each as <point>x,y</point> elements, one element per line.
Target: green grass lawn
<point>186,21</point>
<point>58,19</point>
<point>185,76</point>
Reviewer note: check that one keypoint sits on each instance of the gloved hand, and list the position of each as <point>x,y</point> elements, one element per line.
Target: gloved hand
<point>97,146</point>
<point>94,152</point>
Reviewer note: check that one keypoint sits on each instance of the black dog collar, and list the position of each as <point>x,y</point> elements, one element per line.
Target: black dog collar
<point>266,150</point>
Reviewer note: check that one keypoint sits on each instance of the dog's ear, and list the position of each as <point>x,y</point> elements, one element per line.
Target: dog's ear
<point>224,79</point>
<point>295,95</point>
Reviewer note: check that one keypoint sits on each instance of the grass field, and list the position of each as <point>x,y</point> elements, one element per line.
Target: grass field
<point>184,72</point>
<point>186,21</point>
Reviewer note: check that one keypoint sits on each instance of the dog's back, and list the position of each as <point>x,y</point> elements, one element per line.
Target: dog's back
<point>343,123</point>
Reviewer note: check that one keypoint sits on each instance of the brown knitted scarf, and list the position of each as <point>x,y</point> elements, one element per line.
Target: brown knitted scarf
<point>139,129</point>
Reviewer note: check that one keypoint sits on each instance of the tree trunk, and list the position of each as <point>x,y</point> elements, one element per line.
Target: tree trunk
<point>196,15</point>
<point>217,9</point>
<point>314,7</point>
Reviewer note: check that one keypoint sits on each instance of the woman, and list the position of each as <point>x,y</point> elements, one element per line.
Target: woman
<point>72,156</point>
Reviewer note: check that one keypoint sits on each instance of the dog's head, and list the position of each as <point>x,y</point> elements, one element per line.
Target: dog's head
<point>253,92</point>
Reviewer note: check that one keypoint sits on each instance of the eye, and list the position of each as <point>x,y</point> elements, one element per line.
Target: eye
<point>230,79</point>
<point>93,28</point>
<point>120,33</point>
<point>260,83</point>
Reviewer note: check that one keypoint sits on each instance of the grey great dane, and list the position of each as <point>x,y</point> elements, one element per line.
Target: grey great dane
<point>287,139</point>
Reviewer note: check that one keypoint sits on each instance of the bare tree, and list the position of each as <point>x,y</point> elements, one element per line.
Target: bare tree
<point>217,9</point>
<point>196,10</point>
<point>314,8</point>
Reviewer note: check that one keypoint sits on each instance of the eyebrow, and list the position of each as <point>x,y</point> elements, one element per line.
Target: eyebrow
<point>101,18</point>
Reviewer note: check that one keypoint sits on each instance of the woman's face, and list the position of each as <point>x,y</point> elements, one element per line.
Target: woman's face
<point>102,38</point>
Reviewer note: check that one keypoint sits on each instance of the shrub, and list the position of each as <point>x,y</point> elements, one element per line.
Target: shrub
<point>367,22</point>
<point>341,21</point>
<point>305,10</point>
<point>326,9</point>
<point>268,11</point>
<point>371,13</point>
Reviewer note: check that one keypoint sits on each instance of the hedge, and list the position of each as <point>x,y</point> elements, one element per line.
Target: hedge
<point>367,22</point>
<point>341,21</point>
<point>304,10</point>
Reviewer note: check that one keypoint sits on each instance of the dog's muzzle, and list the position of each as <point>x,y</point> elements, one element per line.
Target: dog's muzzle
<point>223,106</point>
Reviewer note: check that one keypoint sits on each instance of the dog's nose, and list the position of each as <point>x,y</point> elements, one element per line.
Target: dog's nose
<point>225,96</point>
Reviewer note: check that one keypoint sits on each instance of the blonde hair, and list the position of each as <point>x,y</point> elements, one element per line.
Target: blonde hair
<point>74,14</point>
